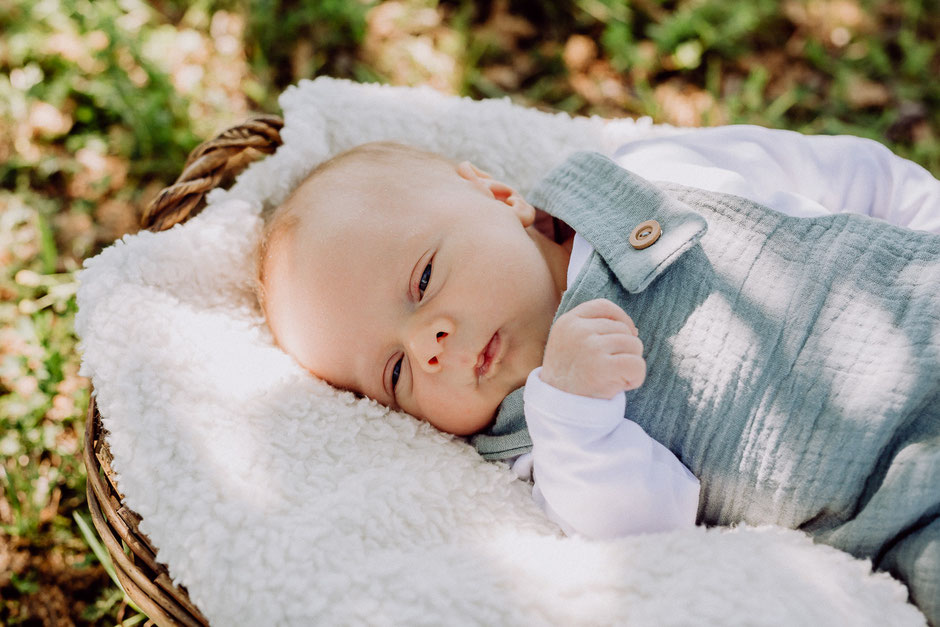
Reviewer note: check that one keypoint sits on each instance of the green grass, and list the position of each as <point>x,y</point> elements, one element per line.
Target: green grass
<point>101,101</point>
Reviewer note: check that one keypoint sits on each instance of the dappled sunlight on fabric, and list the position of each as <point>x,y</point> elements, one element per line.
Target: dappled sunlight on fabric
<point>240,370</point>
<point>885,351</point>
<point>216,400</point>
<point>573,567</point>
<point>741,576</point>
<point>692,350</point>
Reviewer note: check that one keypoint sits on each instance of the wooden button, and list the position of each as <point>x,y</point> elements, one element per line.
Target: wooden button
<point>645,234</point>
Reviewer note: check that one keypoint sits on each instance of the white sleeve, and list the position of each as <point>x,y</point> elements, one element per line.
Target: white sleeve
<point>598,474</point>
<point>800,175</point>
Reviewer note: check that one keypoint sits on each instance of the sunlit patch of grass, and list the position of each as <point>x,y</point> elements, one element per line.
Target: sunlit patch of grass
<point>817,66</point>
<point>42,404</point>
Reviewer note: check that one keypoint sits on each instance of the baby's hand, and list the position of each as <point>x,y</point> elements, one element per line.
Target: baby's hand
<point>593,350</point>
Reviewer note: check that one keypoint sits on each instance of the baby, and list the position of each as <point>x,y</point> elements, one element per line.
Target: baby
<point>438,290</point>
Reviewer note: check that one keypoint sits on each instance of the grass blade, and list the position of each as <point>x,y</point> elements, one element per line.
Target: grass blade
<point>91,538</point>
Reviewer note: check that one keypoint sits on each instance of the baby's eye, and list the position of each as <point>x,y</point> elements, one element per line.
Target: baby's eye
<point>425,279</point>
<point>396,372</point>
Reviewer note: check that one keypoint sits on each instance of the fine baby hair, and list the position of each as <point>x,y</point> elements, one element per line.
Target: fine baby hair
<point>281,219</point>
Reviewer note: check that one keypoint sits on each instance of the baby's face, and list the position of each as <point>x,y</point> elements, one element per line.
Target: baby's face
<point>426,289</point>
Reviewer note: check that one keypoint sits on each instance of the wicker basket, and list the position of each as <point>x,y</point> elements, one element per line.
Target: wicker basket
<point>146,581</point>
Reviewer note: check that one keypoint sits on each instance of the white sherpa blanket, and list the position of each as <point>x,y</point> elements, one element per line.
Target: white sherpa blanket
<point>278,500</point>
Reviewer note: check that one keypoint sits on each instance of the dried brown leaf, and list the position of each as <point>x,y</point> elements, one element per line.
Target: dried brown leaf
<point>579,51</point>
<point>685,105</point>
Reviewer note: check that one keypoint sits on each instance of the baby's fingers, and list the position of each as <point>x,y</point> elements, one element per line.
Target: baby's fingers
<point>606,326</point>
<point>622,343</point>
<point>631,369</point>
<point>602,308</point>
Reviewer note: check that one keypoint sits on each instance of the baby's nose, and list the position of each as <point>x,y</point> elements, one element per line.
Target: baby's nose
<point>440,335</point>
<point>427,344</point>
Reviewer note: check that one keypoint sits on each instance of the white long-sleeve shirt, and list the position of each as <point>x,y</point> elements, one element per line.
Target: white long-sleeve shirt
<point>596,473</point>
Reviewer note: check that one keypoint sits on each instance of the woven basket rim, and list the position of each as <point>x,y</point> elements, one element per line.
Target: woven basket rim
<point>145,580</point>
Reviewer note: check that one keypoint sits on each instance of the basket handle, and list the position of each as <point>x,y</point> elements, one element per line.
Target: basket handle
<point>208,164</point>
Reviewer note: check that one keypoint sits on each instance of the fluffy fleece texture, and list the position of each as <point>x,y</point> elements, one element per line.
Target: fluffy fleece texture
<point>278,500</point>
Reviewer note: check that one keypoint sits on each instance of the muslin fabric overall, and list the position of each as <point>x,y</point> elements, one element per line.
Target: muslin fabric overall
<point>793,363</point>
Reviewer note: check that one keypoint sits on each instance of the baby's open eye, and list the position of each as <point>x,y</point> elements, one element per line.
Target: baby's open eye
<point>396,372</point>
<point>425,279</point>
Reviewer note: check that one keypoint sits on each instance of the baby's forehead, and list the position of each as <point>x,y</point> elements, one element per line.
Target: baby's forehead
<point>391,164</point>
<point>368,191</point>
<point>344,187</point>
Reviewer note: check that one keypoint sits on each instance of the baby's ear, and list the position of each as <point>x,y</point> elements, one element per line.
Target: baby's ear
<point>483,180</point>
<point>498,190</point>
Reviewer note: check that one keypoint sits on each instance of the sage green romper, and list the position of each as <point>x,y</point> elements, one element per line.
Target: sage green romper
<point>793,364</point>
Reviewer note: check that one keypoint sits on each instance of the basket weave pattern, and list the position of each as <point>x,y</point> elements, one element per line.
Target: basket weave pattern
<point>146,581</point>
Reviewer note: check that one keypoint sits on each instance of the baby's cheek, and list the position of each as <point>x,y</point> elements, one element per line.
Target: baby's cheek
<point>459,411</point>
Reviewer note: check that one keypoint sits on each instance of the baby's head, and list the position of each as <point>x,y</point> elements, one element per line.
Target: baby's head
<point>413,280</point>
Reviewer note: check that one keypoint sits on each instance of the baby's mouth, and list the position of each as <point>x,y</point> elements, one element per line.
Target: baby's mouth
<point>488,355</point>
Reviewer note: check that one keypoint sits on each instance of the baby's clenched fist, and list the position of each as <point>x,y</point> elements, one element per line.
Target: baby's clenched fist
<point>593,350</point>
